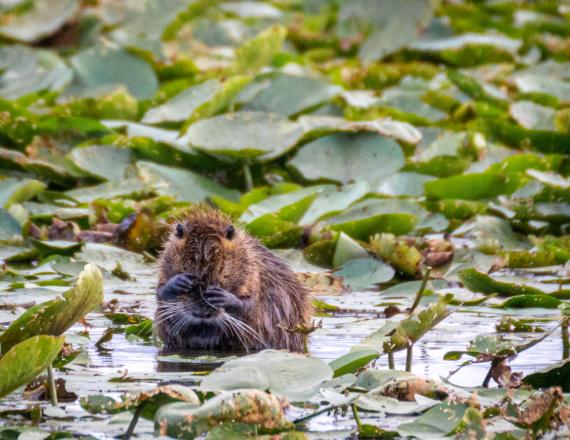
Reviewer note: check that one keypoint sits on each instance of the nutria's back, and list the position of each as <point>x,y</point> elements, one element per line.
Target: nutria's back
<point>220,288</point>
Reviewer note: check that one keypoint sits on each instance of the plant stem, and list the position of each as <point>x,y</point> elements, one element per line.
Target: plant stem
<point>134,420</point>
<point>51,386</point>
<point>248,178</point>
<point>421,291</point>
<point>565,339</point>
<point>409,356</point>
<point>391,364</point>
<point>356,415</point>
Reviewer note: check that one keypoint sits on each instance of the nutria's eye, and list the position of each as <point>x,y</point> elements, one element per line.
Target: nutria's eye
<point>179,230</point>
<point>230,232</point>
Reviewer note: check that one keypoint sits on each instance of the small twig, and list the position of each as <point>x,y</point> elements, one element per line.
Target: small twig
<point>51,386</point>
<point>134,420</point>
<point>391,364</point>
<point>409,357</point>
<point>421,290</point>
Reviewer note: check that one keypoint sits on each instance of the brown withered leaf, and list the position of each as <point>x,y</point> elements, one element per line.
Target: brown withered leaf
<point>322,283</point>
<point>62,230</point>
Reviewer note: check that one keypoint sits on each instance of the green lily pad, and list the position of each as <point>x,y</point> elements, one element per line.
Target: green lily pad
<point>533,116</point>
<point>183,184</point>
<point>353,361</point>
<point>44,18</point>
<point>99,67</point>
<point>25,70</point>
<point>473,186</point>
<point>26,359</point>
<point>245,135</point>
<point>437,422</point>
<point>482,283</point>
<point>332,200</point>
<point>10,229</point>
<point>152,401</point>
<point>539,300</point>
<point>365,273</point>
<point>348,157</point>
<point>260,50</point>
<point>18,190</point>
<point>293,376</point>
<point>246,406</point>
<point>289,94</point>
<point>557,374</point>
<point>56,316</point>
<point>103,161</point>
<point>182,106</point>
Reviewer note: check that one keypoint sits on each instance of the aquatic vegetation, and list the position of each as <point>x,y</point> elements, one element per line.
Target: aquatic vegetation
<point>409,159</point>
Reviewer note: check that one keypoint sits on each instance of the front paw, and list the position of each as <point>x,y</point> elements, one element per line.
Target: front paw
<point>183,283</point>
<point>219,298</point>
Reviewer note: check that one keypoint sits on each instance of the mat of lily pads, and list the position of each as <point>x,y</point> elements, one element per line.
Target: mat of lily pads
<point>409,159</point>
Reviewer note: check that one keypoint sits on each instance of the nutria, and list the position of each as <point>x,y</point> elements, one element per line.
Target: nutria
<point>219,288</point>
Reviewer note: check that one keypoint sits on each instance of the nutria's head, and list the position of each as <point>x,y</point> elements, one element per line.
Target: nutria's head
<point>205,243</point>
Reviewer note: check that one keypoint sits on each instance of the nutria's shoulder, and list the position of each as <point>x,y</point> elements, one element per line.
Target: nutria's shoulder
<point>221,282</point>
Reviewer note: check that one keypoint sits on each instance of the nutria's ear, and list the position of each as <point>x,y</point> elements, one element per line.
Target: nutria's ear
<point>230,232</point>
<point>179,230</point>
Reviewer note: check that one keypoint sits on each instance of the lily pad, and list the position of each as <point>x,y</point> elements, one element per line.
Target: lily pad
<point>293,376</point>
<point>245,135</point>
<point>365,273</point>
<point>56,316</point>
<point>26,359</point>
<point>43,19</point>
<point>554,375</point>
<point>18,190</point>
<point>26,71</point>
<point>437,422</point>
<point>289,94</point>
<point>482,283</point>
<point>347,157</point>
<point>251,407</point>
<point>183,184</point>
<point>99,67</point>
<point>103,161</point>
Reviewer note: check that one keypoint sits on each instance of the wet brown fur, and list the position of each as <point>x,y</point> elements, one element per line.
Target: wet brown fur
<point>243,267</point>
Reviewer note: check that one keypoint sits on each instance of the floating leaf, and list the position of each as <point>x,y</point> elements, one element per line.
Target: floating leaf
<point>347,157</point>
<point>365,273</point>
<point>105,67</point>
<point>439,421</point>
<point>152,401</point>
<point>289,94</point>
<point>260,50</point>
<point>244,135</point>
<point>353,361</point>
<point>18,190</point>
<point>24,71</point>
<point>103,161</point>
<point>183,184</point>
<point>252,407</point>
<point>472,186</point>
<point>482,283</point>
<point>43,19</point>
<point>293,376</point>
<point>557,374</point>
<point>56,316</point>
<point>26,359</point>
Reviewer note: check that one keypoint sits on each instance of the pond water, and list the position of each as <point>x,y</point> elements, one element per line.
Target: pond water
<point>131,364</point>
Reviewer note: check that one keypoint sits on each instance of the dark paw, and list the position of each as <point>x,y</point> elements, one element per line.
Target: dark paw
<point>180,284</point>
<point>219,298</point>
